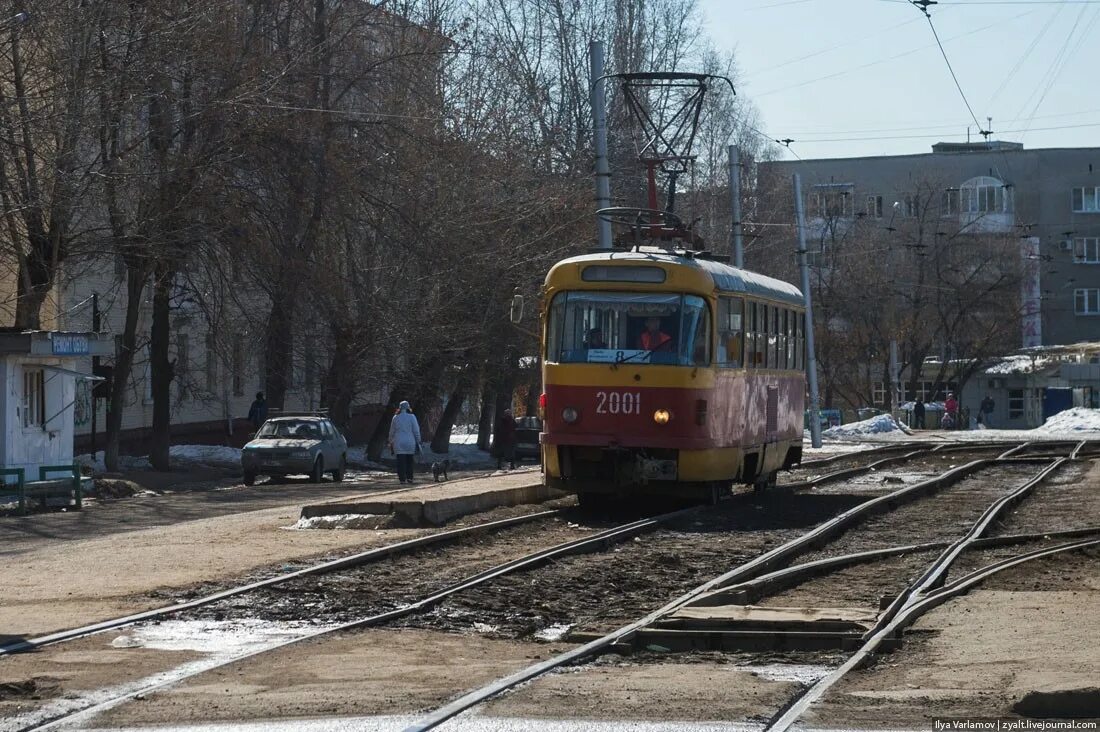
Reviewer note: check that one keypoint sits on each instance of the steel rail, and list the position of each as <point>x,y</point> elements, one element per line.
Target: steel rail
<point>914,593</point>
<point>576,546</point>
<point>933,576</point>
<point>903,619</point>
<point>371,555</point>
<point>768,584</point>
<point>748,570</point>
<point>857,470</point>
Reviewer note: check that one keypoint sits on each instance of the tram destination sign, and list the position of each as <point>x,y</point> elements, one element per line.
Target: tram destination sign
<point>70,344</point>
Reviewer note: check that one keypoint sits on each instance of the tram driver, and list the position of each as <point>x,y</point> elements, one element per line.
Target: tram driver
<point>653,338</point>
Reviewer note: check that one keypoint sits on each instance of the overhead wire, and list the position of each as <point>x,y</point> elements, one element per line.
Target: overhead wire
<point>946,60</point>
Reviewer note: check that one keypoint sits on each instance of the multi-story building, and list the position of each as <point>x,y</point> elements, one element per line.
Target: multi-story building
<point>1046,199</point>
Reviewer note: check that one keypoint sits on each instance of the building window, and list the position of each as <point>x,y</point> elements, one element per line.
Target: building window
<point>874,207</point>
<point>910,206</point>
<point>985,195</point>
<point>878,393</point>
<point>1086,301</point>
<point>310,371</point>
<point>833,201</point>
<point>1086,200</point>
<point>1086,250</point>
<point>238,367</point>
<point>211,364</point>
<point>950,204</point>
<point>182,367</point>
<point>34,398</point>
<point>1015,403</point>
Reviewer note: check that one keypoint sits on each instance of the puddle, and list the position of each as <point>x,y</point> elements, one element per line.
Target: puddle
<point>554,632</point>
<point>800,673</point>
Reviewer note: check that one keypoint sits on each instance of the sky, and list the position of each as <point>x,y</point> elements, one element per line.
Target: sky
<point>849,78</point>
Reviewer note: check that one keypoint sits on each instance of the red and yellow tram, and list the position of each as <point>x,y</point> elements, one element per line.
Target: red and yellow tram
<point>669,373</point>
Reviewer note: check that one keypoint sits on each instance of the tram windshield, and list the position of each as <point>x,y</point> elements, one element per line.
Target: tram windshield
<point>628,327</point>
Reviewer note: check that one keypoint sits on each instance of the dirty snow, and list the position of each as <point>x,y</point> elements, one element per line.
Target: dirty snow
<point>1077,419</point>
<point>339,521</point>
<point>1019,364</point>
<point>876,425</point>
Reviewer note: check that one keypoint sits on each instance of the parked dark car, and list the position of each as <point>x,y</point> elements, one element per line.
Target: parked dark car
<point>527,437</point>
<point>309,445</point>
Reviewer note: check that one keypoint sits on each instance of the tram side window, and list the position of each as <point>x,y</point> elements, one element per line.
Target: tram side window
<point>773,336</point>
<point>752,352</point>
<point>730,328</point>
<point>792,341</point>
<point>781,353</point>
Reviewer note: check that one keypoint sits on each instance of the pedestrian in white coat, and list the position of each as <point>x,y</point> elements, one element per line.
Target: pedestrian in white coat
<point>404,441</point>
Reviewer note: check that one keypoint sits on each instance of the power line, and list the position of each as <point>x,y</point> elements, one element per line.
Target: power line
<point>922,5</point>
<point>942,135</point>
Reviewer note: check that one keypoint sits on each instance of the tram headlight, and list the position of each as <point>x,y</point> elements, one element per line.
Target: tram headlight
<point>570,415</point>
<point>662,416</point>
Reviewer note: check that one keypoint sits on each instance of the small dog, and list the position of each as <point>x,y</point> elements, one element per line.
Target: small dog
<point>440,468</point>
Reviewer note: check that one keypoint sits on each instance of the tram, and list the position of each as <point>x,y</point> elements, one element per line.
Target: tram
<point>667,372</point>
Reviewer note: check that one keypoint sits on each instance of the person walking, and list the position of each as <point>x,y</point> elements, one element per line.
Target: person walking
<point>257,413</point>
<point>404,440</point>
<point>504,440</point>
<point>951,409</point>
<point>918,414</point>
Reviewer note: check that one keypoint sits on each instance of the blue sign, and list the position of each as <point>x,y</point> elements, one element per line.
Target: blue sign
<point>68,344</point>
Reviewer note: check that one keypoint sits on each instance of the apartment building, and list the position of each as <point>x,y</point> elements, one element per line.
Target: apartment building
<point>1046,199</point>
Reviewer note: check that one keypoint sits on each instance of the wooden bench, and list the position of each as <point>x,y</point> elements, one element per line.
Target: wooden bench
<point>67,486</point>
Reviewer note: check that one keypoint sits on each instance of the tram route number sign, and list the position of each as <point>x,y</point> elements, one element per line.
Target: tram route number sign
<point>616,355</point>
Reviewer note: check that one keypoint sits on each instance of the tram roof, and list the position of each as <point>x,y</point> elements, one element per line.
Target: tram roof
<point>725,277</point>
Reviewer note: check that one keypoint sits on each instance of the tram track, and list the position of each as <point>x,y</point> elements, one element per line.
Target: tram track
<point>768,561</point>
<point>919,595</point>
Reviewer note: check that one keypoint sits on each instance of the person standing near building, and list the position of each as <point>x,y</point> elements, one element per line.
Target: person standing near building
<point>918,414</point>
<point>985,410</point>
<point>404,440</point>
<point>504,440</point>
<point>257,413</point>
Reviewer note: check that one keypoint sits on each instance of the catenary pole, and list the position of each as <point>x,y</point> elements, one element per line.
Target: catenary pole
<point>599,124</point>
<point>737,245</point>
<point>811,359</point>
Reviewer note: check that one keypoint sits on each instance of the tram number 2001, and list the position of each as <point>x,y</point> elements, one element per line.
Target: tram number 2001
<point>614,402</point>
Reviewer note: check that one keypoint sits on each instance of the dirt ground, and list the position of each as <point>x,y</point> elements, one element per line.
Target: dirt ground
<point>1028,629</point>
<point>373,672</point>
<point>131,566</point>
<point>980,654</point>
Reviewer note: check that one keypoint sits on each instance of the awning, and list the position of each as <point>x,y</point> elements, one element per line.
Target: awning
<point>69,372</point>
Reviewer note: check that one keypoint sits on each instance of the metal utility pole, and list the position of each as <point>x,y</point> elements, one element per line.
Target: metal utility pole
<point>737,246</point>
<point>811,359</point>
<point>599,122</point>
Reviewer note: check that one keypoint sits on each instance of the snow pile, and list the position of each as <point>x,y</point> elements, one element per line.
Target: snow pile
<point>876,425</point>
<point>1019,364</point>
<point>125,462</point>
<point>205,454</point>
<point>1077,419</point>
<point>216,455</point>
<point>341,521</point>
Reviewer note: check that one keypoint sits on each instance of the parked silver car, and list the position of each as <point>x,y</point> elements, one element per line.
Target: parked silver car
<point>289,445</point>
